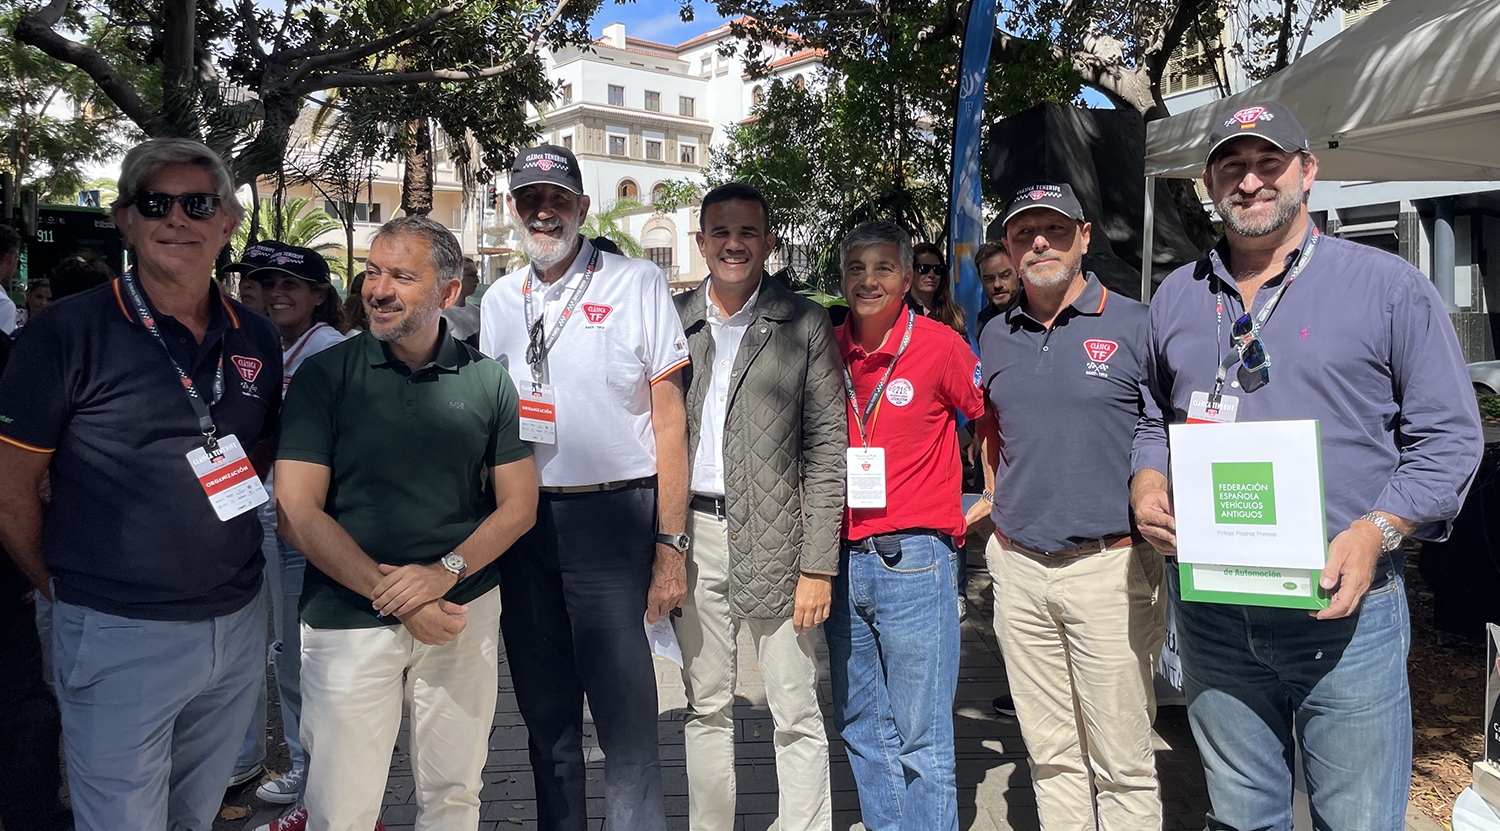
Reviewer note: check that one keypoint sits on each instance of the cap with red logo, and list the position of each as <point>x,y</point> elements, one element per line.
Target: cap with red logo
<point>262,259</point>
<point>1059,198</point>
<point>1268,120</point>
<point>546,164</point>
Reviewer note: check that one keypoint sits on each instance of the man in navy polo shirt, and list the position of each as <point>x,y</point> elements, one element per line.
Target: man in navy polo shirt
<point>141,398</point>
<point>1076,593</point>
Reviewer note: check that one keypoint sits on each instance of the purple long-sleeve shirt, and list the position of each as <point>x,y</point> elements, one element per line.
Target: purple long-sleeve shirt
<point>1359,341</point>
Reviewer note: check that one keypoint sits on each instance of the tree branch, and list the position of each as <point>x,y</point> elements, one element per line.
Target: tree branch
<point>390,79</point>
<point>36,30</point>
<point>312,63</point>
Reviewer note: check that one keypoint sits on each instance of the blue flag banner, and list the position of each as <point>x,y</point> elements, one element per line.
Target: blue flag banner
<point>965,221</point>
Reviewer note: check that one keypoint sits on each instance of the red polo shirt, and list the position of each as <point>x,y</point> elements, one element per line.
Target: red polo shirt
<point>915,423</point>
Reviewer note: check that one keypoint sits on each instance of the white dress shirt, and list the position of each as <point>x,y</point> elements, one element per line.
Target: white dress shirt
<point>708,462</point>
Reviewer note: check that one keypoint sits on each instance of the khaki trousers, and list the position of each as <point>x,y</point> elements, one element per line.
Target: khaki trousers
<point>1080,637</point>
<point>707,632</point>
<point>354,682</point>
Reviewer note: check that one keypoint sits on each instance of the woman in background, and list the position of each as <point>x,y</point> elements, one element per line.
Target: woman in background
<point>930,294</point>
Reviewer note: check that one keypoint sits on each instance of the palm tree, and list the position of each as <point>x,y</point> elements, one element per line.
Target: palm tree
<point>607,223</point>
<point>301,224</point>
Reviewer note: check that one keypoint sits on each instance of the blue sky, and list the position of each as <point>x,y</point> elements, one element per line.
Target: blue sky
<point>656,20</point>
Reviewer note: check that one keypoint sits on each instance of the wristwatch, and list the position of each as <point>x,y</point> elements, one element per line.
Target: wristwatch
<point>1390,538</point>
<point>455,562</point>
<point>677,541</point>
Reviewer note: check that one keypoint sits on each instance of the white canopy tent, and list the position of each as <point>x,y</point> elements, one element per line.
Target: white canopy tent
<point>1410,93</point>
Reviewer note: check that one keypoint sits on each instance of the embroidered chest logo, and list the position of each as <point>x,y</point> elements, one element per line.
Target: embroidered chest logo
<point>248,367</point>
<point>1099,352</point>
<point>900,392</point>
<point>596,312</point>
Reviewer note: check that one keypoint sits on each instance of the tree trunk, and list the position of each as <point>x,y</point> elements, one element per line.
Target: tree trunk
<point>416,176</point>
<point>179,32</point>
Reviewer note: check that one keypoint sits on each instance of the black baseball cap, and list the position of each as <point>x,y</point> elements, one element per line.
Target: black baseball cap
<point>1269,120</point>
<point>269,256</point>
<point>546,164</point>
<point>1059,198</point>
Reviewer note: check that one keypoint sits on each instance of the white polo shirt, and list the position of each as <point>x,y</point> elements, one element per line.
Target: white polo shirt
<point>623,337</point>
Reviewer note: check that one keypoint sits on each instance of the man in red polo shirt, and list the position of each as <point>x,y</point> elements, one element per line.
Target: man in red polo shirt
<point>893,631</point>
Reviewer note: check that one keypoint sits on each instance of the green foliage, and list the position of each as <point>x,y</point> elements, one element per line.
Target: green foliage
<point>61,123</point>
<point>609,223</point>
<point>672,194</point>
<point>1489,406</point>
<point>295,222</point>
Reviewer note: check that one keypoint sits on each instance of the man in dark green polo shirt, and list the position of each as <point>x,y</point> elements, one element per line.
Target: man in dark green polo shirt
<point>402,476</point>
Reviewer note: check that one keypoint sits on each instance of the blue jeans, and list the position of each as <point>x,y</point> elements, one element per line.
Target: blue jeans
<point>1256,677</point>
<point>893,645</point>
<point>153,711</point>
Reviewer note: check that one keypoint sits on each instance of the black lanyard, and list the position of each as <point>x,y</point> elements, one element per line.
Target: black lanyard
<point>866,425</point>
<point>562,320</point>
<point>1257,322</point>
<point>200,407</point>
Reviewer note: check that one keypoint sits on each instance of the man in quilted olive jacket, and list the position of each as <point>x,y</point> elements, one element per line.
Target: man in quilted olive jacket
<point>766,437</point>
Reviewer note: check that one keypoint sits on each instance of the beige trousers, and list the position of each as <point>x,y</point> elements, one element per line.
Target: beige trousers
<point>1080,637</point>
<point>707,632</point>
<point>354,682</point>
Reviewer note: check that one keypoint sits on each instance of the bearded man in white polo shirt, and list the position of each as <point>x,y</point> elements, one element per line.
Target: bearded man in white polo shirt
<point>595,347</point>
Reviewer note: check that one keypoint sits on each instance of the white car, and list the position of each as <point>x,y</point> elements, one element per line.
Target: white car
<point>1486,377</point>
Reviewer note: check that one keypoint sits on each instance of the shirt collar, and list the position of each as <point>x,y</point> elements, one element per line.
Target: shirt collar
<point>1090,302</point>
<point>711,312</point>
<point>449,353</point>
<point>1218,258</point>
<point>221,314</point>
<point>848,348</point>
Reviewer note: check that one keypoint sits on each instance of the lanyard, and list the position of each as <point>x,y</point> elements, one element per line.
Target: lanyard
<point>866,425</point>
<point>200,407</point>
<point>1259,321</point>
<point>534,327</point>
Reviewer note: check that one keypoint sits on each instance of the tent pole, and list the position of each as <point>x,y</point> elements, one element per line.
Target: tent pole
<point>1443,251</point>
<point>1148,240</point>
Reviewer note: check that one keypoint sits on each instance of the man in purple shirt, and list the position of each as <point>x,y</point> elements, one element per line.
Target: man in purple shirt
<point>1357,339</point>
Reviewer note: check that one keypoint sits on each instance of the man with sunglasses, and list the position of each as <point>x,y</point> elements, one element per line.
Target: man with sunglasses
<point>1291,324</point>
<point>595,346</point>
<point>142,399</point>
<point>1078,609</point>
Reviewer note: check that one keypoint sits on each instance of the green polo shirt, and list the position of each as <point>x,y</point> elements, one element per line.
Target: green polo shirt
<point>408,454</point>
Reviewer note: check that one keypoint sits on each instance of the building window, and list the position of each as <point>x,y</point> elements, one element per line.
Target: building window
<point>616,96</point>
<point>653,150</point>
<point>1361,12</point>
<point>661,256</point>
<point>567,141</point>
<point>627,189</point>
<point>689,154</point>
<point>658,192</point>
<point>616,145</point>
<point>653,101</point>
<point>1190,67</point>
<point>361,211</point>
<point>686,107</point>
<point>565,92</point>
<point>757,97</point>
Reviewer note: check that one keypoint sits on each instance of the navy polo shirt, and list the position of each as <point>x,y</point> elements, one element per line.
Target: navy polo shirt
<point>1067,400</point>
<point>129,530</point>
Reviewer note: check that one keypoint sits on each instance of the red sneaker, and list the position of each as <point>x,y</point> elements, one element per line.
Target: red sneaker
<point>297,821</point>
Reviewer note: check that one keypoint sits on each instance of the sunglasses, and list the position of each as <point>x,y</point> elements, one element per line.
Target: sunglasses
<point>1252,351</point>
<point>153,205</point>
<point>536,345</point>
<point>929,268</point>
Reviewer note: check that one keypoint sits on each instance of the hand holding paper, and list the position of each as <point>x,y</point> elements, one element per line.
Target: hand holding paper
<point>1351,566</point>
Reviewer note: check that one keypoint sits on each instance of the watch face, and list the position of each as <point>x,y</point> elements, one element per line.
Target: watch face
<point>454,562</point>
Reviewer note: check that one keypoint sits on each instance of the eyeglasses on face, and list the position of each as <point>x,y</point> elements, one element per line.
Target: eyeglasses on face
<point>154,205</point>
<point>929,268</point>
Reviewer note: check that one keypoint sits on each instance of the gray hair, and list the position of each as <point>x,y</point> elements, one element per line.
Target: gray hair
<point>876,232</point>
<point>149,157</point>
<point>988,250</point>
<point>443,251</point>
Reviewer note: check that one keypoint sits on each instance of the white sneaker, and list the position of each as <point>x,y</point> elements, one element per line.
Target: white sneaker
<point>283,789</point>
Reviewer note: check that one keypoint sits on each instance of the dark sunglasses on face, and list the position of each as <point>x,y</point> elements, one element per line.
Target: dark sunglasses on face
<point>929,268</point>
<point>153,205</point>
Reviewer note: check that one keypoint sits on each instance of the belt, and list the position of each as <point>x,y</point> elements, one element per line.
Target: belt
<point>709,505</point>
<point>884,542</point>
<point>602,487</point>
<point>1093,546</point>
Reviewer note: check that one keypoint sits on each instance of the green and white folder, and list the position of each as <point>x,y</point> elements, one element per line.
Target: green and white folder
<point>1248,499</point>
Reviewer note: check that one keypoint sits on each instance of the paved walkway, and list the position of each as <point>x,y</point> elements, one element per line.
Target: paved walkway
<point>993,780</point>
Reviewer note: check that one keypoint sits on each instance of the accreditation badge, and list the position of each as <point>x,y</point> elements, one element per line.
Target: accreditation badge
<point>865,477</point>
<point>229,479</point>
<point>1224,411</point>
<point>538,412</point>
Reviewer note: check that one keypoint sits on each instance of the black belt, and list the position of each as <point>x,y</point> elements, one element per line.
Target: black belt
<point>890,542</point>
<point>709,505</point>
<point>603,487</point>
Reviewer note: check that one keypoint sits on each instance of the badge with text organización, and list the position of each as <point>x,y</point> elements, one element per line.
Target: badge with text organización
<point>538,412</point>
<point>866,477</point>
<point>229,480</point>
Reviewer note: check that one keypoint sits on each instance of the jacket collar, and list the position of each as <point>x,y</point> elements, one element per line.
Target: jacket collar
<point>775,302</point>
